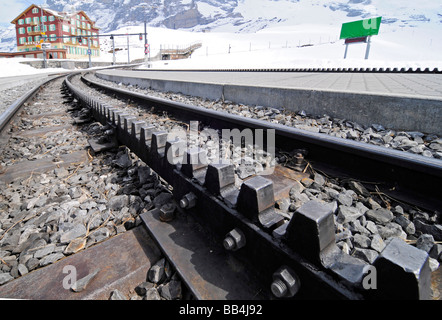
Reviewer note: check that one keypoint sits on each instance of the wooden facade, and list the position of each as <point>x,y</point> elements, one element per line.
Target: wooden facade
<point>62,30</point>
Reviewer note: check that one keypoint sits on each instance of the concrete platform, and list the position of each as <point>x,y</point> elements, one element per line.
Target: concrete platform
<point>409,102</point>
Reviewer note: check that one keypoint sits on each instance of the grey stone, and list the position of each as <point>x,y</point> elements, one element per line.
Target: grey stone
<point>117,203</point>
<point>75,192</point>
<point>123,161</point>
<point>358,188</point>
<point>156,272</point>
<point>347,214</point>
<point>406,224</point>
<point>162,199</point>
<point>51,258</point>
<point>436,252</point>
<point>380,215</point>
<point>44,251</point>
<point>361,241</point>
<point>142,288</point>
<point>371,226</point>
<point>434,264</point>
<point>377,243</point>
<point>22,269</point>
<point>297,188</point>
<point>5,277</point>
<point>392,230</point>
<point>435,230</point>
<point>319,179</point>
<point>344,247</point>
<point>152,294</point>
<point>77,231</point>
<point>345,199</point>
<point>425,242</point>
<point>117,295</point>
<point>144,175</point>
<point>32,263</point>
<point>367,255</point>
<point>356,227</point>
<point>171,290</point>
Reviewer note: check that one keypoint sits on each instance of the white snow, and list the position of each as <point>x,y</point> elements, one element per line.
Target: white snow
<point>291,34</point>
<point>10,67</point>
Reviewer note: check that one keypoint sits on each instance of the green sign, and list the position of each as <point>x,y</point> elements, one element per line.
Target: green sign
<point>361,28</point>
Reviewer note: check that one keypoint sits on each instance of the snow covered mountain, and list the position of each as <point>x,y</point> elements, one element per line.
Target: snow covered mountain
<point>243,16</point>
<point>249,15</point>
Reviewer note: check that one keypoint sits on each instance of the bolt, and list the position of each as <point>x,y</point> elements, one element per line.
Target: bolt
<point>188,201</point>
<point>299,157</point>
<point>285,283</point>
<point>279,288</point>
<point>167,212</point>
<point>234,240</point>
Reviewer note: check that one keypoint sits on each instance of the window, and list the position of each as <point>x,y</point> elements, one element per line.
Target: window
<point>78,31</point>
<point>45,28</point>
<point>83,18</point>
<point>66,28</point>
<point>28,29</point>
<point>28,20</point>
<point>21,30</point>
<point>74,40</point>
<point>88,33</point>
<point>52,37</point>
<point>29,39</point>
<point>21,21</point>
<point>88,25</point>
<point>84,33</point>
<point>36,20</point>
<point>51,18</point>
<point>44,19</point>
<point>52,27</point>
<point>21,40</point>
<point>37,38</point>
<point>78,24</point>
<point>95,43</point>
<point>83,25</point>
<point>78,16</point>
<point>35,10</point>
<point>37,28</point>
<point>72,30</point>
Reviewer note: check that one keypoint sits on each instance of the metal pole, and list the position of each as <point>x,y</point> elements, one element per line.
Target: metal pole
<point>367,51</point>
<point>346,50</point>
<point>89,51</point>
<point>128,57</point>
<point>113,50</point>
<point>145,38</point>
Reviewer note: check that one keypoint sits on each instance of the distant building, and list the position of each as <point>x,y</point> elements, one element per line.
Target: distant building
<point>63,30</point>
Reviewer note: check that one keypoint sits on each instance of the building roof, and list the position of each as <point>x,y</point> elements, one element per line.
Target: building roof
<point>54,13</point>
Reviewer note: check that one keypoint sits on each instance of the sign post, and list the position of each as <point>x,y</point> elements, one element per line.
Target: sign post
<point>360,31</point>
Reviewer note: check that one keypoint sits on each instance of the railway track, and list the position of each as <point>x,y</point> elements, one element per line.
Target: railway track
<point>245,243</point>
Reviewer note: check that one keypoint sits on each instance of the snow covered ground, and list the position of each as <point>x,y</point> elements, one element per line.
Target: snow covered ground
<point>295,46</point>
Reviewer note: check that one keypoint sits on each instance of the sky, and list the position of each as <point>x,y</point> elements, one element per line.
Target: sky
<point>9,9</point>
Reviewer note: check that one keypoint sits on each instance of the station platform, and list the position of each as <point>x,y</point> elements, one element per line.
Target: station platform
<point>400,101</point>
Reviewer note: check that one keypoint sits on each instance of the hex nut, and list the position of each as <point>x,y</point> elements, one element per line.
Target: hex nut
<point>286,283</point>
<point>234,240</point>
<point>188,201</point>
<point>167,212</point>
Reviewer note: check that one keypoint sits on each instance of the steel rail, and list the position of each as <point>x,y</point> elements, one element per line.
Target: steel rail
<point>315,70</point>
<point>403,175</point>
<point>303,247</point>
